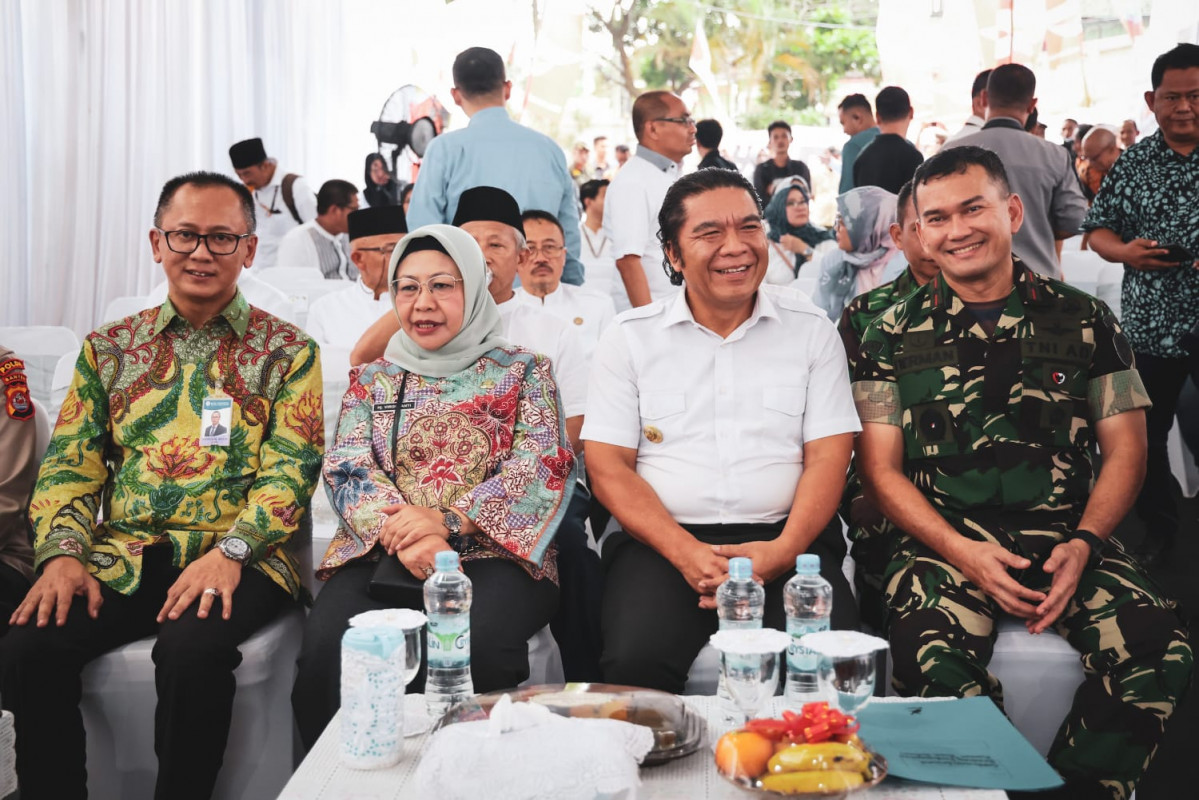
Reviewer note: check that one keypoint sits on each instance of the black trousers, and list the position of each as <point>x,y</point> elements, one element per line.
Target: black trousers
<point>194,660</point>
<point>576,625</point>
<point>507,608</point>
<point>13,588</point>
<point>653,626</point>
<point>1163,379</point>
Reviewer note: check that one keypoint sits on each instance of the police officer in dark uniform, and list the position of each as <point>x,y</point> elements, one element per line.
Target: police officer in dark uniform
<point>983,396</point>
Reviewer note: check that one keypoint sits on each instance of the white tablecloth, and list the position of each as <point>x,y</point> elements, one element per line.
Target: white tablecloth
<point>323,776</point>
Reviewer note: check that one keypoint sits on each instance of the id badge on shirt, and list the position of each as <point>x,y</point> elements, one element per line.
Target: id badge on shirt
<point>216,420</point>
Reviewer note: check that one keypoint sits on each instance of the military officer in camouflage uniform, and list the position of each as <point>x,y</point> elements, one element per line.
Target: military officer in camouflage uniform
<point>983,396</point>
<point>868,529</point>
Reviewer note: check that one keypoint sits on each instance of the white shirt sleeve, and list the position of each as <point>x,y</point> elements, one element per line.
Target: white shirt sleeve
<point>570,370</point>
<point>829,408</point>
<point>626,219</point>
<point>613,415</point>
<point>305,199</point>
<point>296,249</point>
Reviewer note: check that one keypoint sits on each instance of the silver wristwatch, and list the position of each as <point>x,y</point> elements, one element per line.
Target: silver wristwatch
<point>235,549</point>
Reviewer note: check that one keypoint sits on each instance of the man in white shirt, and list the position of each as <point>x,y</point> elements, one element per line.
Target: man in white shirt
<point>321,244</point>
<point>492,217</point>
<point>720,425</point>
<point>599,267</point>
<point>339,319</point>
<point>541,281</point>
<point>282,200</point>
<point>978,107</point>
<point>665,135</point>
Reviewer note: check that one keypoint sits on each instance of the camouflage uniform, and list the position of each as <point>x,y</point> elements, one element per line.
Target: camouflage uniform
<point>870,533</point>
<point>997,435</point>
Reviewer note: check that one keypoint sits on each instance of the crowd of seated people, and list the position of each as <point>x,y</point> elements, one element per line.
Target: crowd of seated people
<point>941,393</point>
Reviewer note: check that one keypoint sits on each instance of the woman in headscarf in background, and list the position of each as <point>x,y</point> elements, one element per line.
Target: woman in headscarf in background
<point>454,422</point>
<point>862,227</point>
<point>793,237</point>
<point>381,189</point>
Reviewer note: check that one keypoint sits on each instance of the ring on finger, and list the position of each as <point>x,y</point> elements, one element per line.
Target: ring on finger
<point>212,590</point>
<point>428,571</point>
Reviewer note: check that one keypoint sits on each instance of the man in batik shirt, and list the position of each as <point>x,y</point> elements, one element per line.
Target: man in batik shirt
<point>145,525</point>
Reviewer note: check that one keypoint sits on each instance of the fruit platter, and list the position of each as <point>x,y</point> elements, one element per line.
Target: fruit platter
<point>815,753</point>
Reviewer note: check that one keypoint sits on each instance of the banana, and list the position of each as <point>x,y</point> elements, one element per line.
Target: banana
<point>819,781</point>
<point>825,756</point>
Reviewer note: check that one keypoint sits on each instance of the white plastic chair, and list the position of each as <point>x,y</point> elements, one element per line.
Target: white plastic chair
<point>301,284</point>
<point>1039,675</point>
<point>1081,269</point>
<point>121,307</point>
<point>335,373</point>
<point>118,714</point>
<point>1111,286</point>
<point>64,371</point>
<point>40,347</point>
<point>44,426</point>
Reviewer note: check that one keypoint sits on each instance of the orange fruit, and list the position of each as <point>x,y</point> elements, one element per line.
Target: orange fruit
<point>743,754</point>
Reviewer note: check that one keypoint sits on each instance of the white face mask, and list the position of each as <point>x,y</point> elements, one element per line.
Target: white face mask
<point>487,273</point>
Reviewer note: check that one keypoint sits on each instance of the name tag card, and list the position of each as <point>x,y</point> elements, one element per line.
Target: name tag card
<point>216,420</point>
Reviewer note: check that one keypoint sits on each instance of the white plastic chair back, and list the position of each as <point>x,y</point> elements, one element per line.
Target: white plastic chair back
<point>1111,284</point>
<point>302,285</point>
<point>64,371</point>
<point>44,426</point>
<point>122,307</point>
<point>1081,269</point>
<point>40,347</point>
<point>335,372</point>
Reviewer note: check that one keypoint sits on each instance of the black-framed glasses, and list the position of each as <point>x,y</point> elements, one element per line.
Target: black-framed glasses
<point>219,244</point>
<point>547,250</point>
<point>442,287</point>
<point>687,120</point>
<point>386,249</point>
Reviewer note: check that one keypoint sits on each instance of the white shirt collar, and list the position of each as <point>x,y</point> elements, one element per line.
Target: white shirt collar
<point>677,311</point>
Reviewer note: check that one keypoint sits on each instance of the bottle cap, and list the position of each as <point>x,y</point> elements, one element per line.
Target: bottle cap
<point>741,569</point>
<point>807,564</point>
<point>446,561</point>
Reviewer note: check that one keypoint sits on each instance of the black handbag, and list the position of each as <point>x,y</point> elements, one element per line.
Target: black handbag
<point>393,584</point>
<point>391,581</point>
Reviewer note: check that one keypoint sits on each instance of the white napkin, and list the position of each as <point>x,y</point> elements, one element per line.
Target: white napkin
<point>843,644</point>
<point>524,750</point>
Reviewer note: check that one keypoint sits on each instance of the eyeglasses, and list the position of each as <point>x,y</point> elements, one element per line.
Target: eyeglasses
<point>796,203</point>
<point>547,250</point>
<point>687,120</point>
<point>837,222</point>
<point>442,287</point>
<point>386,249</point>
<point>219,244</point>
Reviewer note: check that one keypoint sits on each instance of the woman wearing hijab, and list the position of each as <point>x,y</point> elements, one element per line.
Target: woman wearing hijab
<point>381,189</point>
<point>793,238</point>
<point>477,461</point>
<point>864,240</point>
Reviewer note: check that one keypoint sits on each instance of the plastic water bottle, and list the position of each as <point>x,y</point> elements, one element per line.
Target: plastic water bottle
<point>447,604</point>
<point>371,715</point>
<point>740,602</point>
<point>808,601</point>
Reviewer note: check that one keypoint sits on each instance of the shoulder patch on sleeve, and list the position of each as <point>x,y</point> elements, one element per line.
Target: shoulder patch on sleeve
<point>17,402</point>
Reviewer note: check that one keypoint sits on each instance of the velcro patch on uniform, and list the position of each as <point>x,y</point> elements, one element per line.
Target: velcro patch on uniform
<point>877,401</point>
<point>1058,348</point>
<point>17,402</point>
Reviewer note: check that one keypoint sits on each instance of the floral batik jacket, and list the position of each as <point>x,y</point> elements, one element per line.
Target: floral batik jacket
<point>489,441</point>
<point>127,444</point>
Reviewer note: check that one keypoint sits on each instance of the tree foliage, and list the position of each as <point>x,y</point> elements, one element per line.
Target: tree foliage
<point>768,45</point>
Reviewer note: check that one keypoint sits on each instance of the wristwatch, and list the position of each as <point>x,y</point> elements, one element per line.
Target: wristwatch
<point>452,521</point>
<point>1096,545</point>
<point>235,549</point>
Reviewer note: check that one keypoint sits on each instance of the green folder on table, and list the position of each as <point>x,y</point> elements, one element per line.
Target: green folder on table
<point>965,742</point>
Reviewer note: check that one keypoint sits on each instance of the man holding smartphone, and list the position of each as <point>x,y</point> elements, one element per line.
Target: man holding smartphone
<point>1146,216</point>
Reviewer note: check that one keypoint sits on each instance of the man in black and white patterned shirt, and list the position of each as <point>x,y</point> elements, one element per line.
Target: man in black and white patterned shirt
<point>1148,202</point>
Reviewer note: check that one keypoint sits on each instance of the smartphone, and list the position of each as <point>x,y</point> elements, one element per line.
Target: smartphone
<point>1177,253</point>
